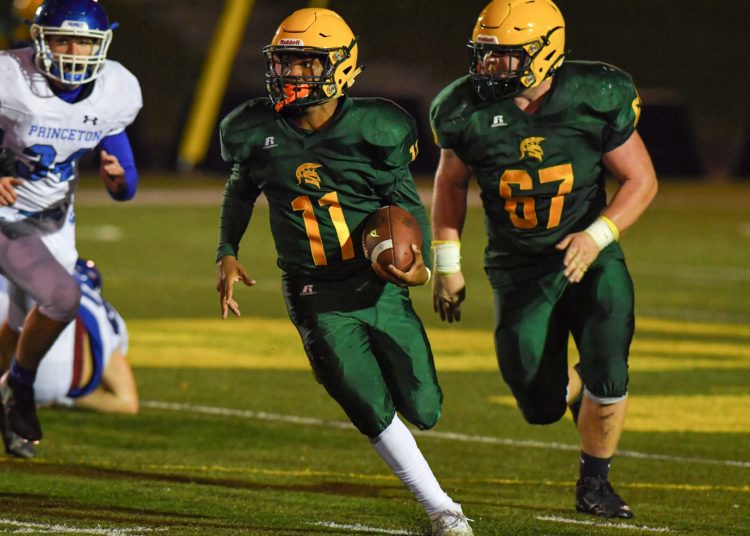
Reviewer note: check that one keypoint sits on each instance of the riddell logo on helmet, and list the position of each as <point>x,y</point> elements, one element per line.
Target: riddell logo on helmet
<point>74,25</point>
<point>486,39</point>
<point>291,42</point>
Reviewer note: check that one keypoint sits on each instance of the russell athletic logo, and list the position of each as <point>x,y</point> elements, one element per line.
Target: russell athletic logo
<point>307,290</point>
<point>269,143</point>
<point>498,121</point>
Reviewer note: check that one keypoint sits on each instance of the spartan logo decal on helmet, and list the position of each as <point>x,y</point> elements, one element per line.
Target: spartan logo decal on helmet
<point>312,59</point>
<point>516,45</point>
<point>80,19</point>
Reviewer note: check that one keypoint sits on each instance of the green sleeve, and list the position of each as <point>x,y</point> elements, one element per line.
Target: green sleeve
<point>448,113</point>
<point>236,208</point>
<point>623,117</point>
<point>404,194</point>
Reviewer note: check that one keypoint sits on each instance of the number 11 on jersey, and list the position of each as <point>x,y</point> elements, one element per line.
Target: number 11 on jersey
<point>331,200</point>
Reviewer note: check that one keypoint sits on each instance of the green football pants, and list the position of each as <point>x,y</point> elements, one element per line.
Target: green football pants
<point>533,321</point>
<point>368,348</point>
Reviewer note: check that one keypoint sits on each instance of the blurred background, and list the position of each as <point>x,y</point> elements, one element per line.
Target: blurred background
<point>689,59</point>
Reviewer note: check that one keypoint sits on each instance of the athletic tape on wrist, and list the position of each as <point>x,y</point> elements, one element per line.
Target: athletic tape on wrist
<point>447,256</point>
<point>603,231</point>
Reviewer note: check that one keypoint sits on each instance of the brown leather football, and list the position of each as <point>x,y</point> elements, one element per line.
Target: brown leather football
<point>387,236</point>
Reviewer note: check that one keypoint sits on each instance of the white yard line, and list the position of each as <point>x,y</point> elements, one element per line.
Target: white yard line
<point>24,527</point>
<point>310,421</point>
<point>602,524</point>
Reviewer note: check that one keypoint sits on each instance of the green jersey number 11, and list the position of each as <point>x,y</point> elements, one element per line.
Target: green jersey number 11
<point>312,228</point>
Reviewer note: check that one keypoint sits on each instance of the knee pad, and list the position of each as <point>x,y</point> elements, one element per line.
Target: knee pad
<point>543,411</point>
<point>424,420</point>
<point>63,305</point>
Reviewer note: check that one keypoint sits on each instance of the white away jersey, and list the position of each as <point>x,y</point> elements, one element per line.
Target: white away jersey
<point>48,135</point>
<point>99,327</point>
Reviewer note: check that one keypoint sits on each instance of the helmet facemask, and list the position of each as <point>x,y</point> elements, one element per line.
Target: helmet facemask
<point>493,81</point>
<point>70,69</point>
<point>319,82</point>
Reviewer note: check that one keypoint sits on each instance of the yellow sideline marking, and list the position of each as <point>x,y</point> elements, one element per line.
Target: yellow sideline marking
<point>658,325</point>
<point>260,343</point>
<point>309,473</point>
<point>689,413</point>
<point>303,473</point>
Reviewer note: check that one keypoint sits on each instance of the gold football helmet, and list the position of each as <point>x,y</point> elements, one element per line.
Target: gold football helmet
<point>312,58</point>
<point>516,44</point>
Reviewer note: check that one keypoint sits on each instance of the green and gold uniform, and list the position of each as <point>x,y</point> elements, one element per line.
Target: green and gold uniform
<point>365,343</point>
<point>542,178</point>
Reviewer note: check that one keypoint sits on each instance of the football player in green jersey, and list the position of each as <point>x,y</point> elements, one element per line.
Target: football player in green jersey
<point>325,162</point>
<point>539,135</point>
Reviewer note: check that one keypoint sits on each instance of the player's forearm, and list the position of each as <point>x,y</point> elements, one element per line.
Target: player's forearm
<point>407,197</point>
<point>236,210</point>
<point>119,146</point>
<point>631,166</point>
<point>449,196</point>
<point>448,210</point>
<point>630,201</point>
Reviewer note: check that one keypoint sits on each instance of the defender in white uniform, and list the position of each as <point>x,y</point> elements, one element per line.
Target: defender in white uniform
<point>87,365</point>
<point>58,101</point>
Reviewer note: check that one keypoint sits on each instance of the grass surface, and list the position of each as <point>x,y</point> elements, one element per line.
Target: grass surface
<point>236,437</point>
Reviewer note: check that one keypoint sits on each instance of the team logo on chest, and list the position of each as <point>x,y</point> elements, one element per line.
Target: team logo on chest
<point>306,174</point>
<point>532,148</point>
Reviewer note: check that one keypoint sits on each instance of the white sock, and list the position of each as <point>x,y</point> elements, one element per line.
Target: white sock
<point>399,450</point>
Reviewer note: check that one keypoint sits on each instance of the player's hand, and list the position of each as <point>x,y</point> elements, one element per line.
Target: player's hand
<point>416,275</point>
<point>228,272</point>
<point>580,251</point>
<point>111,172</point>
<point>448,291</point>
<point>8,190</point>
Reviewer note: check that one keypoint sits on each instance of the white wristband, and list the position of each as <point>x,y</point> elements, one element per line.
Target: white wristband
<point>603,231</point>
<point>447,256</point>
<point>429,275</point>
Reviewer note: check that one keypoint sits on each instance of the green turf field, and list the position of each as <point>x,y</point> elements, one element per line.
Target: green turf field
<point>235,436</point>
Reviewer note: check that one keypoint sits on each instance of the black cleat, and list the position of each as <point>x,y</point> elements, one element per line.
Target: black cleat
<point>596,496</point>
<point>14,444</point>
<point>19,409</point>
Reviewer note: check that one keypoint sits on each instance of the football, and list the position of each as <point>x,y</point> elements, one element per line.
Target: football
<point>387,237</point>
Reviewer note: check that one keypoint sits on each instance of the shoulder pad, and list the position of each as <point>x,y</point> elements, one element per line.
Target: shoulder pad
<point>238,127</point>
<point>450,110</point>
<point>384,123</point>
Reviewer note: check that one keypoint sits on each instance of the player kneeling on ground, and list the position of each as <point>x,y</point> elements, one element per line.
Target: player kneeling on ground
<point>86,367</point>
<point>325,162</point>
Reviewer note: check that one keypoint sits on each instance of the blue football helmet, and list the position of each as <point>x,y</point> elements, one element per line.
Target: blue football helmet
<point>82,19</point>
<point>87,273</point>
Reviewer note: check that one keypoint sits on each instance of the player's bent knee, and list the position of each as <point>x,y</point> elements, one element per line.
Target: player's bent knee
<point>544,412</point>
<point>63,305</point>
<point>424,420</point>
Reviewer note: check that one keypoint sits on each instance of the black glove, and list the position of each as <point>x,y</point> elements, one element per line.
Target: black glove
<point>7,164</point>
